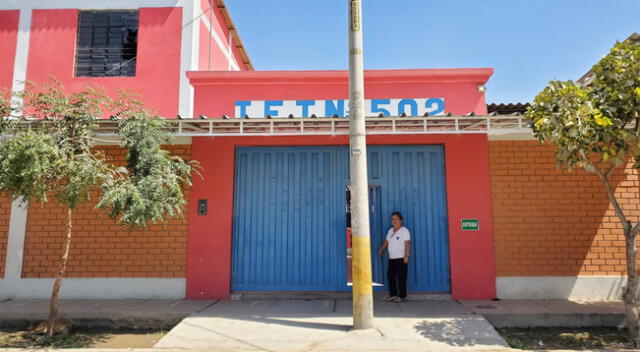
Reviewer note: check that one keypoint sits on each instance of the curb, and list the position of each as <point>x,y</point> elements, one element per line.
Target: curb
<point>569,320</point>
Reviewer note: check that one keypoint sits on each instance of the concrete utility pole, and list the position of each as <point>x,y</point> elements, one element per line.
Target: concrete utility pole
<point>360,242</point>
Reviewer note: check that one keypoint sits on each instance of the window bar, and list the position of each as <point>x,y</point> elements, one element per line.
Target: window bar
<point>393,125</point>
<point>271,126</point>
<point>210,127</point>
<point>457,124</point>
<point>241,126</point>
<point>488,124</point>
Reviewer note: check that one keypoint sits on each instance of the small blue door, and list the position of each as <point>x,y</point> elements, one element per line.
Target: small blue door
<point>411,180</point>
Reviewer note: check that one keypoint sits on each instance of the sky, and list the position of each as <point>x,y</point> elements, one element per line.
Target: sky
<point>527,42</point>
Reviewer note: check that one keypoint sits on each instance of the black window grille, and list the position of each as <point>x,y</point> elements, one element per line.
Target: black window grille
<point>107,43</point>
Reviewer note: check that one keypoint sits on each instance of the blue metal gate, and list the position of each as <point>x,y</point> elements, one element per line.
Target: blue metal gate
<point>412,181</point>
<point>289,219</point>
<point>289,215</point>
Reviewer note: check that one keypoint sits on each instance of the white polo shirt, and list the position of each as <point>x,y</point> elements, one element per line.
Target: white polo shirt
<point>396,242</point>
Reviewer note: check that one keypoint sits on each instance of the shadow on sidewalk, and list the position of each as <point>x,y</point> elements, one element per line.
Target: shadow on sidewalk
<point>457,332</point>
<point>303,324</point>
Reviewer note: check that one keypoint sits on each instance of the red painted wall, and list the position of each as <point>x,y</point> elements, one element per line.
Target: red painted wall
<point>467,163</point>
<point>8,37</point>
<point>216,92</point>
<point>157,80</point>
<point>468,195</point>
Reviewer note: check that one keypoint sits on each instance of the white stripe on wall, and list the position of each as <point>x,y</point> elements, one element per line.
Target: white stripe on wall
<point>229,54</point>
<point>560,287</point>
<point>521,136</point>
<point>15,242</point>
<point>188,56</point>
<point>22,53</point>
<point>98,288</point>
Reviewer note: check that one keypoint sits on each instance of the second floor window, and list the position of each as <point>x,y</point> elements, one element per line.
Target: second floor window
<point>107,43</point>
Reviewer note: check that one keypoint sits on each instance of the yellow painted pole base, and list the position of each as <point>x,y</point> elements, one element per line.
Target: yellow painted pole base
<point>362,285</point>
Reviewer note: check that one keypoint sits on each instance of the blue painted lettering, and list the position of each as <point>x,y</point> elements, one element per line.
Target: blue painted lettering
<point>305,106</point>
<point>330,108</point>
<point>376,109</point>
<point>268,104</point>
<point>438,102</point>
<point>243,107</point>
<point>413,105</point>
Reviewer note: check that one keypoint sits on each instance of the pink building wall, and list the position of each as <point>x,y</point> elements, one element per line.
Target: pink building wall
<point>52,51</point>
<point>8,37</point>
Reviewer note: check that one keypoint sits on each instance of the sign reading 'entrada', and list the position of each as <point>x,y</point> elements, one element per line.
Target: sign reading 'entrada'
<point>470,224</point>
<point>330,108</point>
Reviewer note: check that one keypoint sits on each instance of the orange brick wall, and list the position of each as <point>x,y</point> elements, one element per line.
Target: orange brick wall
<point>550,222</point>
<point>5,213</point>
<point>100,247</point>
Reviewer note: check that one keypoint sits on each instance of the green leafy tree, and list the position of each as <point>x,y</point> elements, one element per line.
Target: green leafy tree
<point>596,126</point>
<point>52,155</point>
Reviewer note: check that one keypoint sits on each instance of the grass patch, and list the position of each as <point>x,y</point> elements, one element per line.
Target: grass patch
<point>24,339</point>
<point>566,338</point>
<point>81,338</point>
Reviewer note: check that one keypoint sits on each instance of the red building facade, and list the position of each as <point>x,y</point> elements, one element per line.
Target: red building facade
<point>489,213</point>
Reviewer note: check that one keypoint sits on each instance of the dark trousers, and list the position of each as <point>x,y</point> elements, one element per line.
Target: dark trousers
<point>397,276</point>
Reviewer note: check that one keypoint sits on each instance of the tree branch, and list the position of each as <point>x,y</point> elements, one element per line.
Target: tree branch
<point>614,201</point>
<point>591,168</point>
<point>606,173</point>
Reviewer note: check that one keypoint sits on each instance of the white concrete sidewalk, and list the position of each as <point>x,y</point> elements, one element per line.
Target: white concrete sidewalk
<point>272,325</point>
<point>325,325</point>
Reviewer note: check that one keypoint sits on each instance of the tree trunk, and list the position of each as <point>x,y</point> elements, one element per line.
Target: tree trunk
<point>630,294</point>
<point>53,305</point>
